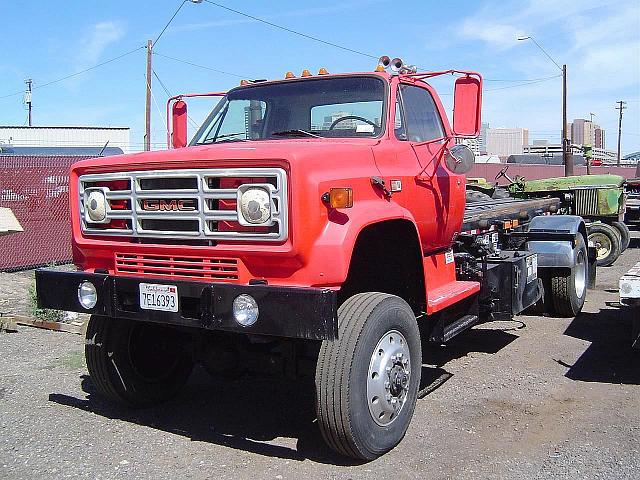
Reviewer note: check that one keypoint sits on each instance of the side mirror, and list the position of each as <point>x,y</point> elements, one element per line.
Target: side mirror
<point>459,159</point>
<point>467,104</point>
<point>179,124</point>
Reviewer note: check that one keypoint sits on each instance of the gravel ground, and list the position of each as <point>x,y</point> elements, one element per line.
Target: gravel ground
<point>558,398</point>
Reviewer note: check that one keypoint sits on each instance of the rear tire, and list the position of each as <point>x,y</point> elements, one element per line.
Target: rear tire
<point>625,234</point>
<point>136,363</point>
<point>607,241</point>
<point>363,374</point>
<point>569,286</point>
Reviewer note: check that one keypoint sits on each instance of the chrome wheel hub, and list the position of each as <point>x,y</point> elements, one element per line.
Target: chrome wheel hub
<point>388,378</point>
<point>602,244</point>
<point>580,275</point>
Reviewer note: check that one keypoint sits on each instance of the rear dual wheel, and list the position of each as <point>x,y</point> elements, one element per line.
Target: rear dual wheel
<point>367,380</point>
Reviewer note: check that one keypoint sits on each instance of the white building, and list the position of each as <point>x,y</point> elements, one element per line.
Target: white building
<point>95,137</point>
<point>506,141</point>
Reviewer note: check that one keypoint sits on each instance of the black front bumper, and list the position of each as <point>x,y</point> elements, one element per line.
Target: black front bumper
<point>309,313</point>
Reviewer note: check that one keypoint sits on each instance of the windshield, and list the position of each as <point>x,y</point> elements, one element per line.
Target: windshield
<point>313,108</point>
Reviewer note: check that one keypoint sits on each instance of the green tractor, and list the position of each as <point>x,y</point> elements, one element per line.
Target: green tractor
<point>599,199</point>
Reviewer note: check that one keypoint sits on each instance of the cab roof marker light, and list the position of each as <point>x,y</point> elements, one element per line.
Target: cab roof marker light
<point>323,71</point>
<point>305,73</point>
<point>289,75</point>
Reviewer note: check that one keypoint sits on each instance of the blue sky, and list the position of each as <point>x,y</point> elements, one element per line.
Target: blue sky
<point>598,40</point>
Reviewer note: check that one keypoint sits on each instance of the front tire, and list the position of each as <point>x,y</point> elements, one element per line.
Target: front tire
<point>136,363</point>
<point>371,370</point>
<point>607,241</point>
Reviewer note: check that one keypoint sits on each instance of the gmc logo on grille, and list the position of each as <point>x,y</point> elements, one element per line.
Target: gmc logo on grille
<point>162,205</point>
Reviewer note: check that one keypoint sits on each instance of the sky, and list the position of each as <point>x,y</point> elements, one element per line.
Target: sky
<point>50,39</point>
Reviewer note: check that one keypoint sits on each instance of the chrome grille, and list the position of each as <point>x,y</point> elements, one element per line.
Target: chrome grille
<point>586,202</point>
<point>212,212</point>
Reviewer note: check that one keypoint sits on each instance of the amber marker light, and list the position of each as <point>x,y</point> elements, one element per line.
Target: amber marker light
<point>380,68</point>
<point>289,75</point>
<point>323,71</point>
<point>341,198</point>
<point>305,73</point>
<point>244,82</point>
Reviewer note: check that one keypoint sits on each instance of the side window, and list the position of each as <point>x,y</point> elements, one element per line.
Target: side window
<point>422,120</point>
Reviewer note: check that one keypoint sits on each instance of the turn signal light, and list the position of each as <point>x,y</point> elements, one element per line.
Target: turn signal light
<point>305,73</point>
<point>323,71</point>
<point>289,75</point>
<point>341,198</point>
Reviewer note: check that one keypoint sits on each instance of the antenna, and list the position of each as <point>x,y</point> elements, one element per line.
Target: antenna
<point>27,97</point>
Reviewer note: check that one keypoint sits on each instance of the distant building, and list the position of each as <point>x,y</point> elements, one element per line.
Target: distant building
<point>472,143</point>
<point>482,139</point>
<point>65,137</point>
<point>506,141</point>
<point>550,150</point>
<point>585,132</point>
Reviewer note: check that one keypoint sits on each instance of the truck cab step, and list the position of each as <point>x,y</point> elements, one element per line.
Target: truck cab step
<point>447,332</point>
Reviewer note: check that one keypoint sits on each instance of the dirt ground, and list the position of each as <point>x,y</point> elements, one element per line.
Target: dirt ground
<point>544,398</point>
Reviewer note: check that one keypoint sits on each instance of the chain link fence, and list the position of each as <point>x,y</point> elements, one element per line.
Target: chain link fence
<point>36,189</point>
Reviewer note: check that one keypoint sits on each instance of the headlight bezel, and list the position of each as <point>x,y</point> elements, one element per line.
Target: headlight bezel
<point>245,189</point>
<point>87,208</point>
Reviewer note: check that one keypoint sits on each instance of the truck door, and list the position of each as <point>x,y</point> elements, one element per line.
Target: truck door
<point>439,194</point>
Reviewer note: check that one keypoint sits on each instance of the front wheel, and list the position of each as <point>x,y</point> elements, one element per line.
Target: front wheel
<point>136,363</point>
<point>367,380</point>
<point>607,241</point>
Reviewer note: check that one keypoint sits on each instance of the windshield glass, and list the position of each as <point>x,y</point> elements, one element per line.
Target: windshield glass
<point>319,107</point>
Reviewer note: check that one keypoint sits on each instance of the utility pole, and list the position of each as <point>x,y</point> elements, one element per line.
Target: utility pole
<point>621,106</point>
<point>567,156</point>
<point>27,97</point>
<point>147,111</point>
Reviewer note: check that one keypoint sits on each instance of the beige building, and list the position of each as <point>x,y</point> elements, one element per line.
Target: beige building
<point>585,132</point>
<point>507,141</point>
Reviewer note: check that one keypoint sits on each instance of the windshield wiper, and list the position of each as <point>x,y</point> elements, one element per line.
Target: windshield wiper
<point>296,131</point>
<point>226,135</point>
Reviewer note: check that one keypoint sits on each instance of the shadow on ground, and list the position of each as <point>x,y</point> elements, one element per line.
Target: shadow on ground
<point>609,358</point>
<point>250,412</point>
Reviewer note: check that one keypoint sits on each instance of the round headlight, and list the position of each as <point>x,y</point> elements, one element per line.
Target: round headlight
<point>87,295</point>
<point>245,310</point>
<point>255,205</point>
<point>96,206</point>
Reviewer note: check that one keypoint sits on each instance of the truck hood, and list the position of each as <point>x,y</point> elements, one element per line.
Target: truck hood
<point>249,153</point>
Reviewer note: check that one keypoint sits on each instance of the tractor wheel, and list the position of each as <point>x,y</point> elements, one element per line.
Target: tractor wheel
<point>607,241</point>
<point>569,285</point>
<point>136,363</point>
<point>367,380</point>
<point>625,234</point>
<point>474,196</point>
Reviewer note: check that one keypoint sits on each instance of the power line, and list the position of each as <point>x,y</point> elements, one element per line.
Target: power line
<point>58,80</point>
<point>201,66</point>
<point>295,32</point>
<point>523,84</point>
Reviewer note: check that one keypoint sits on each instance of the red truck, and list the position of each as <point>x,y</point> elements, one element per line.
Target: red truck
<point>315,226</point>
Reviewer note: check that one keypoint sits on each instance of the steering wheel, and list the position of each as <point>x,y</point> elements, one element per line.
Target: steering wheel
<point>352,117</point>
<point>502,173</point>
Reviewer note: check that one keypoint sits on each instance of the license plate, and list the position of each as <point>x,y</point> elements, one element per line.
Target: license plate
<point>532,268</point>
<point>159,297</point>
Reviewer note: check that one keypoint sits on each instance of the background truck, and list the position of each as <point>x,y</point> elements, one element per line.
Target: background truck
<point>313,226</point>
<point>599,199</point>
